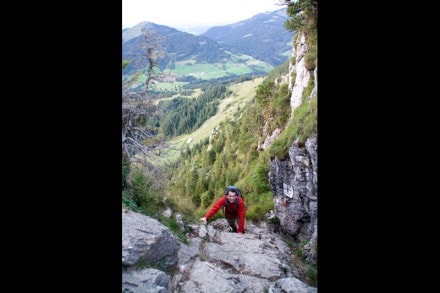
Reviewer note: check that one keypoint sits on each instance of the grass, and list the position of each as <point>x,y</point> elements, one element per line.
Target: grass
<point>158,265</point>
<point>308,272</point>
<point>302,126</point>
<point>238,65</point>
<point>209,71</point>
<point>174,227</point>
<point>168,86</point>
<point>197,92</point>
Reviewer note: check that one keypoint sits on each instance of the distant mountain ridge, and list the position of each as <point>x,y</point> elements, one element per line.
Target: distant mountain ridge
<point>254,45</point>
<point>179,45</point>
<point>262,36</point>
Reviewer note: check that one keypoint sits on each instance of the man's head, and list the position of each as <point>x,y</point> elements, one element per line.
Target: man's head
<point>231,195</point>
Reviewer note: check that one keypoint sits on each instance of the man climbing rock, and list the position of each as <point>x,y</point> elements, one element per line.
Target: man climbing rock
<point>234,209</point>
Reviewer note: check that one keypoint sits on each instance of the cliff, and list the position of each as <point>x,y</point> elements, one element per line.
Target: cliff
<point>294,180</point>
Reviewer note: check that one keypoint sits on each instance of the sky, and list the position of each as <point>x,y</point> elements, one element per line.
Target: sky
<point>175,13</point>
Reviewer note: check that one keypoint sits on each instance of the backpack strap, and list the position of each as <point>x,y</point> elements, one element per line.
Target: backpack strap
<point>224,205</point>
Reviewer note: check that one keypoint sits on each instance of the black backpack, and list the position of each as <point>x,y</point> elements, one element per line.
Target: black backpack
<point>237,191</point>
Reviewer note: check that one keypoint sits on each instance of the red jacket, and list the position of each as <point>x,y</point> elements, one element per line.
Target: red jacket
<point>231,211</point>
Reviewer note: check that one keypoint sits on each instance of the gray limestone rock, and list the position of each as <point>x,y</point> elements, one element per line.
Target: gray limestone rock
<point>147,240</point>
<point>146,280</point>
<point>295,186</point>
<point>291,285</point>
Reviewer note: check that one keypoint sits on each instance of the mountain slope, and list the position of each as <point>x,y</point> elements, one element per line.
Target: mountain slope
<point>261,36</point>
<point>178,45</point>
<point>242,93</point>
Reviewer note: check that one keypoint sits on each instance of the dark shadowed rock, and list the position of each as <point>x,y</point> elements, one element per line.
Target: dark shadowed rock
<point>295,186</point>
<point>145,240</point>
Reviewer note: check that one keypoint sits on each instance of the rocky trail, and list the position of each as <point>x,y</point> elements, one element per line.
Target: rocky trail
<point>214,260</point>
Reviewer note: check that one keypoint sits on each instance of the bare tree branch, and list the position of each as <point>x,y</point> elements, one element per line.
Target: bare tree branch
<point>141,143</point>
<point>145,58</point>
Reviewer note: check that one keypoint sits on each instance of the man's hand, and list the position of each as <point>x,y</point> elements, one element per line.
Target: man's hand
<point>203,219</point>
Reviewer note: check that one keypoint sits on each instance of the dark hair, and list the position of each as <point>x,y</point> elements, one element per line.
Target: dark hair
<point>232,188</point>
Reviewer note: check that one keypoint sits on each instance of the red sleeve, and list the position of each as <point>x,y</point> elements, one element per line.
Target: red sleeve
<point>217,205</point>
<point>241,215</point>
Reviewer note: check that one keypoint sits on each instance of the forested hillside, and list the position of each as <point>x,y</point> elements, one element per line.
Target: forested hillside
<point>233,157</point>
<point>261,36</point>
<point>186,115</point>
<point>179,45</point>
<point>230,156</point>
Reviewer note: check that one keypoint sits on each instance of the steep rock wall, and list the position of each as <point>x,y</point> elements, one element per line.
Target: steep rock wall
<point>294,183</point>
<point>294,180</point>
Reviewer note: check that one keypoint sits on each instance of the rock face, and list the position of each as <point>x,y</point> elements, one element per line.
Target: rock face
<point>294,183</point>
<point>302,75</point>
<point>141,239</point>
<point>219,261</point>
<point>291,285</point>
<point>146,280</point>
<point>213,260</point>
<point>146,243</point>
